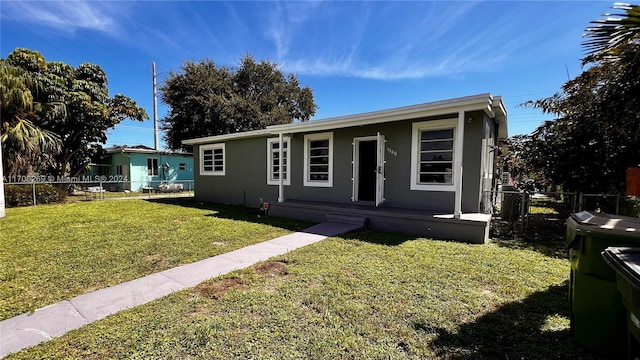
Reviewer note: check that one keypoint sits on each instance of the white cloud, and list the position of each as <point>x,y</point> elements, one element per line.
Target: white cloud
<point>67,16</point>
<point>337,40</point>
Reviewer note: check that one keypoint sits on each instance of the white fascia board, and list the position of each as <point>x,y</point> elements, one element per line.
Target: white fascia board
<point>451,106</point>
<point>498,106</point>
<point>501,117</point>
<point>221,138</point>
<point>145,151</point>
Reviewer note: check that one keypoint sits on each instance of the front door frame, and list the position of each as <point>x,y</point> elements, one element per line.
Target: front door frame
<point>379,173</point>
<point>356,165</point>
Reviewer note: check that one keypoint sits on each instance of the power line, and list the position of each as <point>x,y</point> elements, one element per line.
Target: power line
<point>38,35</point>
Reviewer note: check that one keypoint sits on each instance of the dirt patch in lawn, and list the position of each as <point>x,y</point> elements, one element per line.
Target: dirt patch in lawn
<point>273,268</point>
<point>155,261</point>
<point>217,289</point>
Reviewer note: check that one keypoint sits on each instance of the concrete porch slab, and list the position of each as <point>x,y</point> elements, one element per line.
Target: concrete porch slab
<point>330,228</point>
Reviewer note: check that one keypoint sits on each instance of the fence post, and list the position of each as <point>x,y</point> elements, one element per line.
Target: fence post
<point>523,211</point>
<point>33,187</point>
<point>580,201</point>
<point>617,205</point>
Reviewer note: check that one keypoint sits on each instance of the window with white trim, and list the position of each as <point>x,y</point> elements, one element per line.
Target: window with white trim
<point>152,166</point>
<point>318,160</point>
<point>212,159</point>
<point>432,155</point>
<point>274,162</point>
<point>182,166</point>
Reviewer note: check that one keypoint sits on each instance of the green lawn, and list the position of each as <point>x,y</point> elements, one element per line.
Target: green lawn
<point>367,295</point>
<point>55,252</point>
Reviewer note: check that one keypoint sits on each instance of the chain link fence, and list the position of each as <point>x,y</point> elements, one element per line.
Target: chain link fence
<point>94,189</point>
<point>543,215</point>
<point>518,213</point>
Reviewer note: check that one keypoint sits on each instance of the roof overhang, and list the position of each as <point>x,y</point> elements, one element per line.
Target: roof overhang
<point>129,150</point>
<point>492,106</point>
<point>500,117</point>
<point>235,136</point>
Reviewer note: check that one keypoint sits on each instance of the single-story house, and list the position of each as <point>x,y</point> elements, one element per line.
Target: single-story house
<point>138,168</point>
<point>424,169</point>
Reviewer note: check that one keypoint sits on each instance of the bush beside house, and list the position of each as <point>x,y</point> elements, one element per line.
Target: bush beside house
<point>22,195</point>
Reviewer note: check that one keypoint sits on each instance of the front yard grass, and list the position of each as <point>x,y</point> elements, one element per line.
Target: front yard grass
<point>366,295</point>
<point>55,252</point>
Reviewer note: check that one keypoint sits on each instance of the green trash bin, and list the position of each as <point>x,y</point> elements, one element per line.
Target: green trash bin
<point>598,317</point>
<point>626,263</point>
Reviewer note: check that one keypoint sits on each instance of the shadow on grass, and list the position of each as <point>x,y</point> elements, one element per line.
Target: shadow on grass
<point>518,330</point>
<point>543,233</point>
<point>235,212</point>
<point>549,246</point>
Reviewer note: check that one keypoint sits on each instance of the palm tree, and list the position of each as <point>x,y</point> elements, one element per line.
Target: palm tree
<point>614,37</point>
<point>24,144</point>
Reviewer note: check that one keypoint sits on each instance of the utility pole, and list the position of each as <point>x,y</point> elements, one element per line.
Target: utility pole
<point>155,108</point>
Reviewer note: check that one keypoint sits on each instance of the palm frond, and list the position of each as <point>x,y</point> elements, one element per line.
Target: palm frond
<point>606,38</point>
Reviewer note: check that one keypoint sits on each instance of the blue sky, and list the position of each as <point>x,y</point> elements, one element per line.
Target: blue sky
<point>356,56</point>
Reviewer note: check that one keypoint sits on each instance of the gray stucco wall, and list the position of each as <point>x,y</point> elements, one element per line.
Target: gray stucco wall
<point>472,160</point>
<point>397,169</point>
<point>245,179</point>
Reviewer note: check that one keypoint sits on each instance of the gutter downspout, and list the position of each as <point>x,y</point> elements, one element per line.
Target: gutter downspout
<point>281,167</point>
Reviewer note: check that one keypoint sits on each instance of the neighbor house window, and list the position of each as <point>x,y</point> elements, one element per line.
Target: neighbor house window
<point>119,171</point>
<point>152,166</point>
<point>275,165</point>
<point>212,159</point>
<point>432,155</point>
<point>182,166</point>
<point>318,160</point>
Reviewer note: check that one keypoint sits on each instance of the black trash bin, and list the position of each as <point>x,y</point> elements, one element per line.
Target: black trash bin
<point>626,263</point>
<point>598,317</point>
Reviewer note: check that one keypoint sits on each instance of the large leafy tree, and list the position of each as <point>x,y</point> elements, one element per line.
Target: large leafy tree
<point>76,106</point>
<point>206,99</point>
<point>596,134</point>
<point>26,146</point>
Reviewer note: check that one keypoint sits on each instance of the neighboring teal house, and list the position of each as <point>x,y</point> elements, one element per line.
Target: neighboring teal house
<point>138,168</point>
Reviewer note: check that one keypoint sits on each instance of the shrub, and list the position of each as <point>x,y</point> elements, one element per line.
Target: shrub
<point>630,206</point>
<point>22,195</point>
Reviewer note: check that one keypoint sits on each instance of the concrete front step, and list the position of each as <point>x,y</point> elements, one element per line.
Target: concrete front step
<point>347,219</point>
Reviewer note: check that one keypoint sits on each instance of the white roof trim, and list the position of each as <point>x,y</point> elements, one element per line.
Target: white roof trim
<point>116,150</point>
<point>221,138</point>
<point>491,105</point>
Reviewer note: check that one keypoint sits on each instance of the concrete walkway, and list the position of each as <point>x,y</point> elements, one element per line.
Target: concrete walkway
<point>55,320</point>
